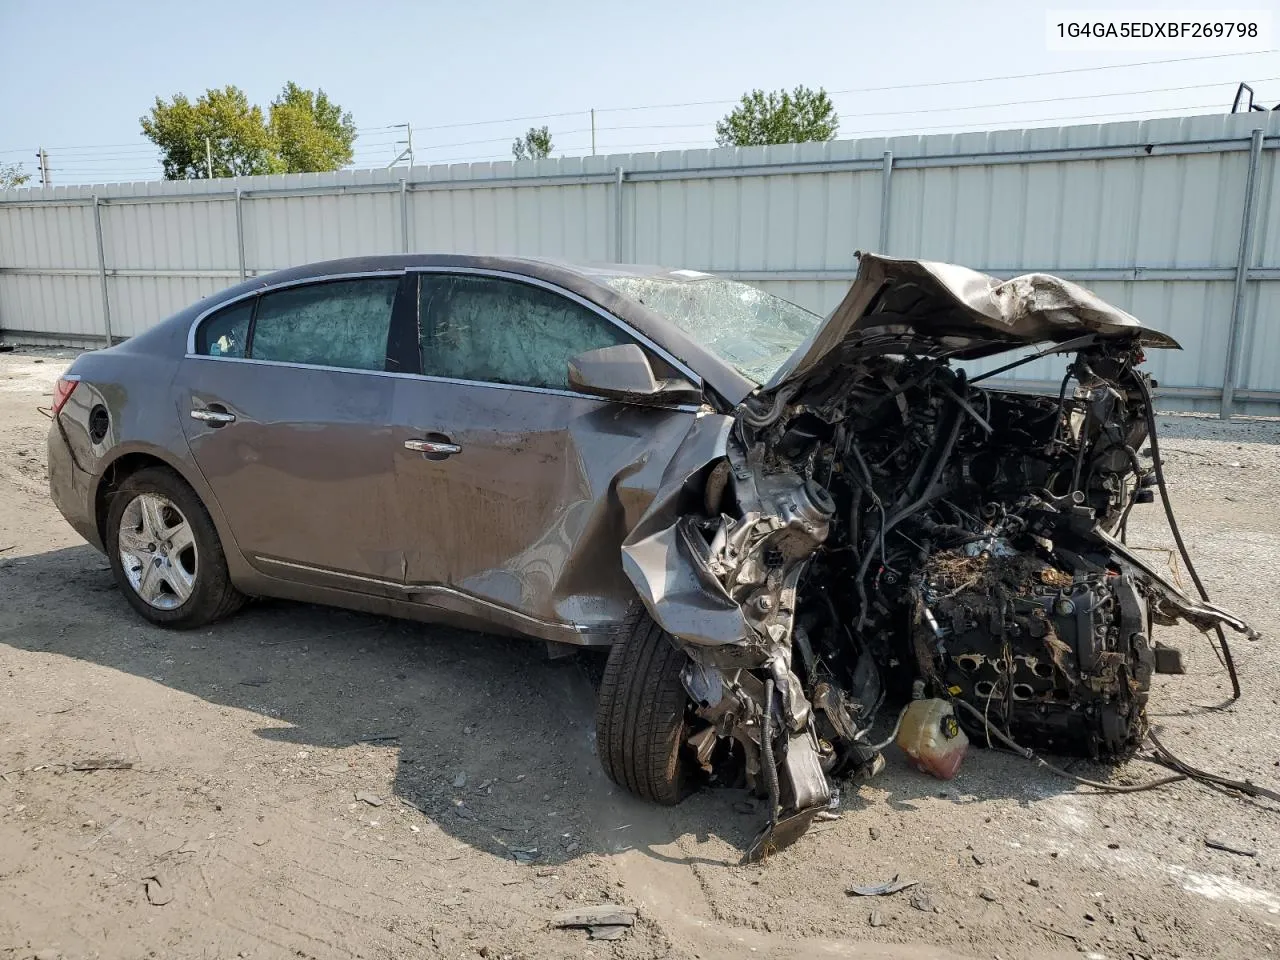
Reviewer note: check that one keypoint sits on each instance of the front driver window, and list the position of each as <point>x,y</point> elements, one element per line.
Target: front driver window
<point>503,331</point>
<point>339,323</point>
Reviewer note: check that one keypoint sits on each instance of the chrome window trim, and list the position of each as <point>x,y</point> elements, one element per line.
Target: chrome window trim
<point>679,365</point>
<point>569,294</point>
<point>282,285</point>
<point>395,374</point>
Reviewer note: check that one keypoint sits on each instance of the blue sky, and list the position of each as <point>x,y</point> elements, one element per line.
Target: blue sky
<point>77,75</point>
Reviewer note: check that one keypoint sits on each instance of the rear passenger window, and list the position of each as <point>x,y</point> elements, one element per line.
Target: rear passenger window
<point>503,331</point>
<point>226,333</point>
<point>341,323</point>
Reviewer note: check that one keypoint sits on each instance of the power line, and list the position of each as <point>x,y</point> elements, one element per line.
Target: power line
<point>1166,111</point>
<point>880,113</point>
<point>700,103</point>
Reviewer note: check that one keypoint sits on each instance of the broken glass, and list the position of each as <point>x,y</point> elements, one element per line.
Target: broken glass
<point>753,331</point>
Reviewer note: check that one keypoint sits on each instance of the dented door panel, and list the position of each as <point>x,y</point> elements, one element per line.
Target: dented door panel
<point>528,513</point>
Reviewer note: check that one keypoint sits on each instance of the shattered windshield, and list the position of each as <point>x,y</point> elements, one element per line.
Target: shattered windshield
<point>753,331</point>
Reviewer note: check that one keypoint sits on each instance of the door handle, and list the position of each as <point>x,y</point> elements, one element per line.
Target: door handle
<point>215,418</point>
<point>437,447</point>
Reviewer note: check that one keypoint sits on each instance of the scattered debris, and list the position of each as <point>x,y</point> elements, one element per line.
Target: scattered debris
<point>102,763</point>
<point>1228,847</point>
<point>607,932</point>
<point>989,895</point>
<point>605,922</point>
<point>460,780</point>
<point>876,920</point>
<point>1061,933</point>
<point>158,890</point>
<point>372,799</point>
<point>882,889</point>
<point>524,854</point>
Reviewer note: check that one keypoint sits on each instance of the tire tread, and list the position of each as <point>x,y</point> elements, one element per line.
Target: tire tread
<point>640,714</point>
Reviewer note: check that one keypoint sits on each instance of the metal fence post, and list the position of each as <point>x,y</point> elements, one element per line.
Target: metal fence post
<point>617,217</point>
<point>886,176</point>
<point>102,268</point>
<point>240,233</point>
<point>404,215</point>
<point>1247,223</point>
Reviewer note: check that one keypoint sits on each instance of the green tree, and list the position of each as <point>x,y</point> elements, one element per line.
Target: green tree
<point>238,138</point>
<point>311,132</point>
<point>12,175</point>
<point>795,116</point>
<point>534,145</point>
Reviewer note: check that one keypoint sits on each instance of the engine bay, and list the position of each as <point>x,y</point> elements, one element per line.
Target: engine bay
<point>891,531</point>
<point>873,528</point>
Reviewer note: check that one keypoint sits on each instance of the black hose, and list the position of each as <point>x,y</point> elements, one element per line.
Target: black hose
<point>1027,754</point>
<point>766,752</point>
<point>919,504</point>
<point>1165,756</point>
<point>1228,661</point>
<point>929,494</point>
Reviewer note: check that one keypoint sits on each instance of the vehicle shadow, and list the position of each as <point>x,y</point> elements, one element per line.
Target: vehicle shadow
<point>494,741</point>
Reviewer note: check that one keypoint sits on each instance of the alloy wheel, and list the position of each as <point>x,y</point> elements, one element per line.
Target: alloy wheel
<point>158,551</point>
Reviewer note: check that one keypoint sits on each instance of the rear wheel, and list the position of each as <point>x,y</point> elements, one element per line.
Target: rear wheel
<point>642,716</point>
<point>165,552</point>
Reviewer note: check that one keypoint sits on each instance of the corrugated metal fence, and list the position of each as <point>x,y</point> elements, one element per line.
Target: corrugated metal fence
<point>1174,220</point>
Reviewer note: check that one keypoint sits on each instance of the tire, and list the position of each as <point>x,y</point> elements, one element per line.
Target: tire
<point>641,716</point>
<point>152,501</point>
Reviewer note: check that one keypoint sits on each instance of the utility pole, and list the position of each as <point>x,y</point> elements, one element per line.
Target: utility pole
<point>408,150</point>
<point>42,159</point>
<point>593,131</point>
<point>208,157</point>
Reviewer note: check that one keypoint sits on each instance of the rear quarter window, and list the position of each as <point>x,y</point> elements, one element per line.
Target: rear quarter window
<point>226,333</point>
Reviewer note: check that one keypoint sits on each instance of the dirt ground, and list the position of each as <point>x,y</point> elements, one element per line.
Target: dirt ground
<point>308,782</point>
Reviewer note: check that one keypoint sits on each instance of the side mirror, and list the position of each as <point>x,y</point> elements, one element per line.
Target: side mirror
<point>624,373</point>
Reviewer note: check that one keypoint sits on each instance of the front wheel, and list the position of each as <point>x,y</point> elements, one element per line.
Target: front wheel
<point>165,552</point>
<point>642,716</point>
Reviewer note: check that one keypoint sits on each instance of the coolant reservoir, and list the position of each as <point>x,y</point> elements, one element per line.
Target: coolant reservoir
<point>931,736</point>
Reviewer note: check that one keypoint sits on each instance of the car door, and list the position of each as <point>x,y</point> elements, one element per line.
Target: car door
<point>286,402</point>
<point>517,491</point>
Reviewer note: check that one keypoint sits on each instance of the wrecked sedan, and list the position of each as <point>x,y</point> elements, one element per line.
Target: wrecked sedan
<point>778,523</point>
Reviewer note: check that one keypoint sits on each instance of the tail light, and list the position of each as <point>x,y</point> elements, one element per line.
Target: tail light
<point>62,391</point>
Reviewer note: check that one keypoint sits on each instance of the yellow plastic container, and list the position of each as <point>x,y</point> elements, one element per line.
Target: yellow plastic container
<point>931,738</point>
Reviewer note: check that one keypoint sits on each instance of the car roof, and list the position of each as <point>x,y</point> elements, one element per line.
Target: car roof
<point>587,280</point>
<point>530,266</point>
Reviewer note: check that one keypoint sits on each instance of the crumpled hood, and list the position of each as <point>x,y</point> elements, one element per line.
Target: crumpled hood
<point>941,307</point>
